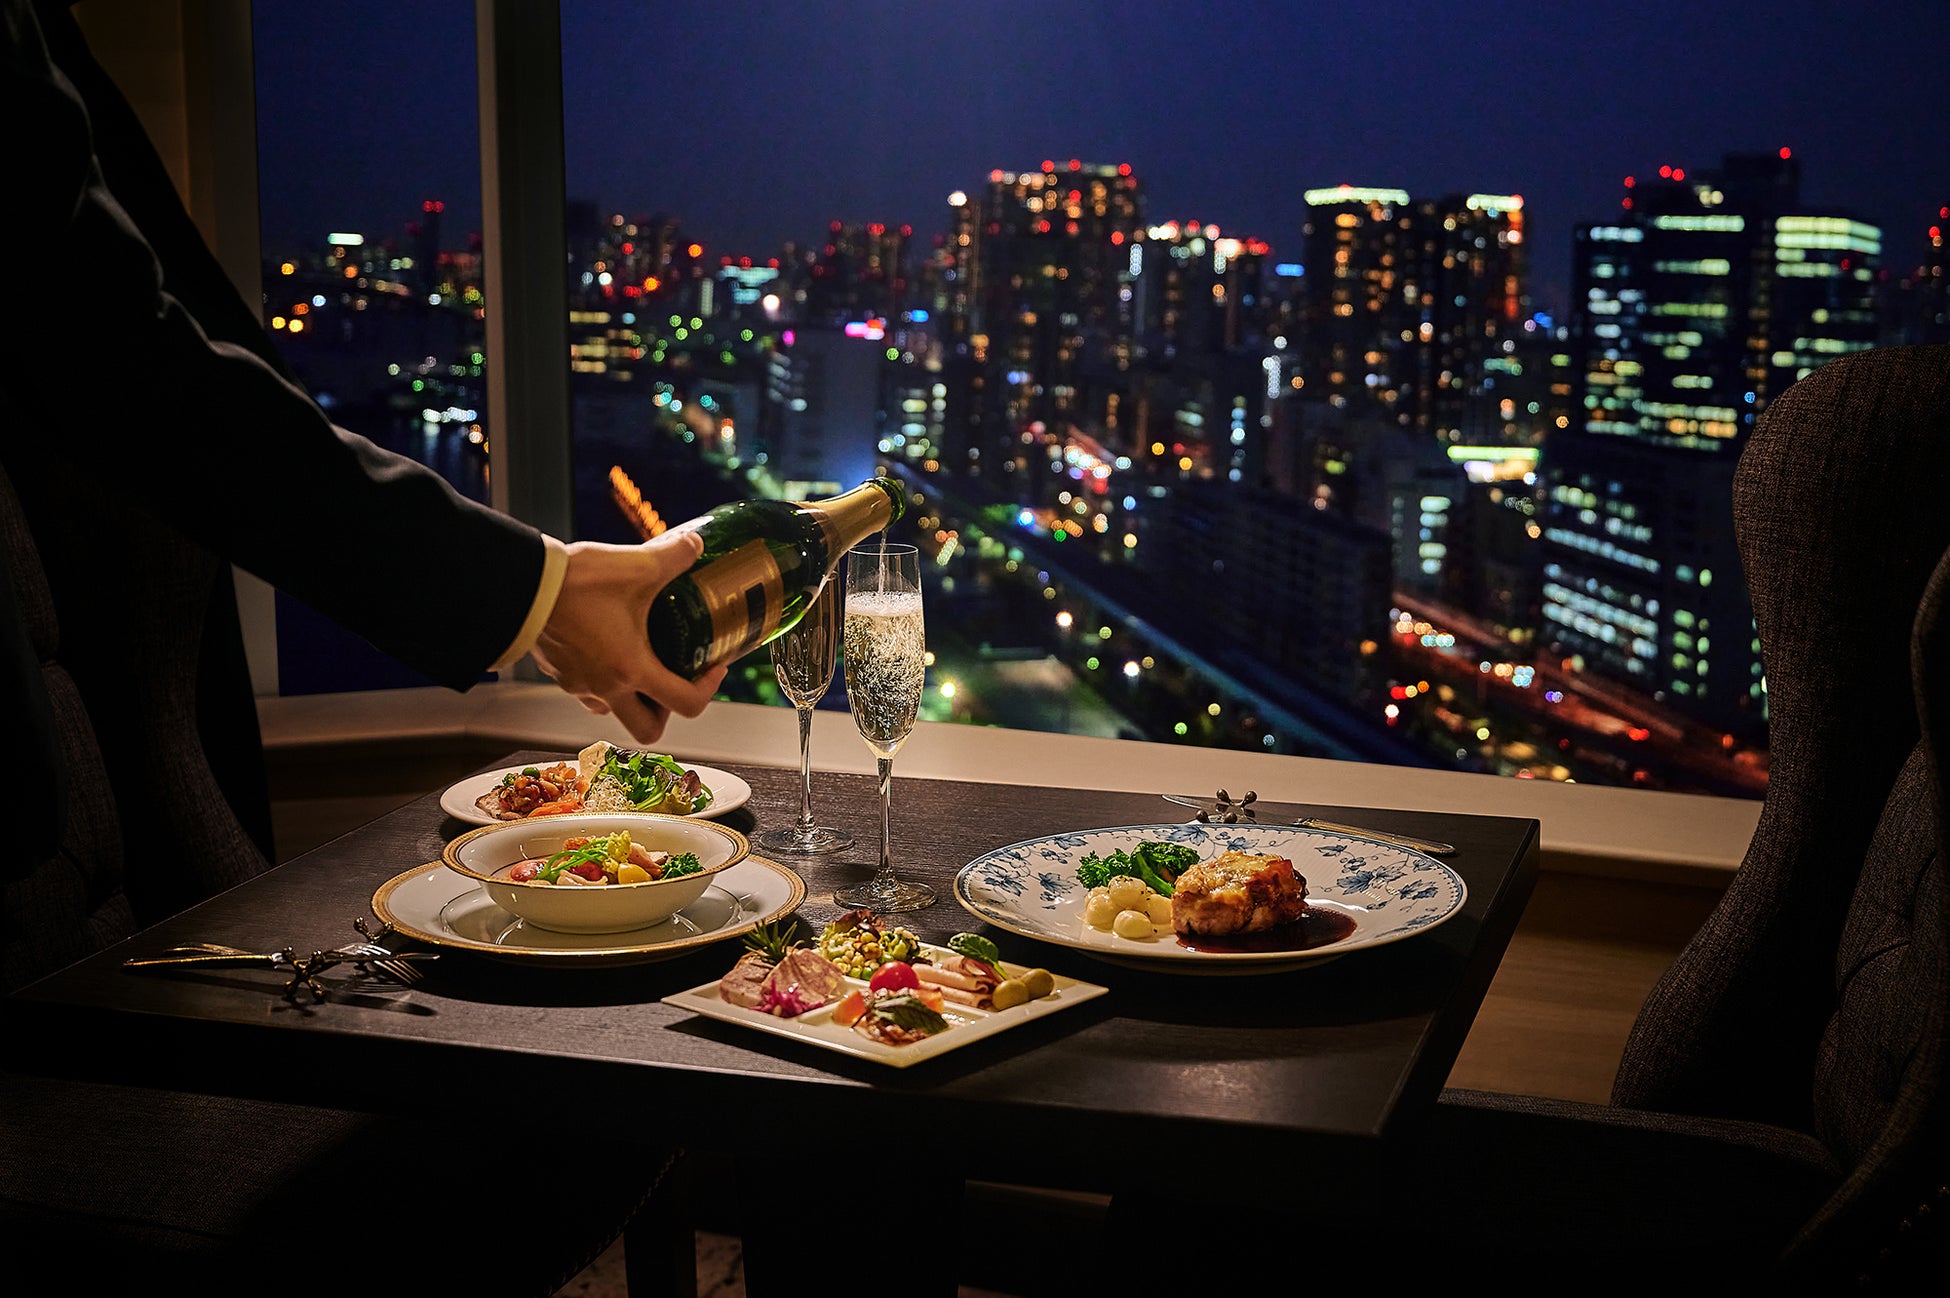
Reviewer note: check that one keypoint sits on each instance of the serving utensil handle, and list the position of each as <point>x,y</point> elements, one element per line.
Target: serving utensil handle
<point>269,960</point>
<point>1432,846</point>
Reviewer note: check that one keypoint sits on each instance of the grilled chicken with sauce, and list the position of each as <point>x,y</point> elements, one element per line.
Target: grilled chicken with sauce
<point>1237,892</point>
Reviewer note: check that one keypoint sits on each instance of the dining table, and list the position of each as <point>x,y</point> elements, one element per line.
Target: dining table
<point>1169,1077</point>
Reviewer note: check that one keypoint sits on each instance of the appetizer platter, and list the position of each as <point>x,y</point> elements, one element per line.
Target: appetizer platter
<point>1211,898</point>
<point>871,989</point>
<point>450,911</point>
<point>603,777</point>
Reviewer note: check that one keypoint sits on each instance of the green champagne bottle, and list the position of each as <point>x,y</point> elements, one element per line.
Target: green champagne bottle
<point>763,564</point>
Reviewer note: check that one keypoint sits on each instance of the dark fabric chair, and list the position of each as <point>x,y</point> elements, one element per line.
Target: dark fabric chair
<point>113,1189</point>
<point>1778,1116</point>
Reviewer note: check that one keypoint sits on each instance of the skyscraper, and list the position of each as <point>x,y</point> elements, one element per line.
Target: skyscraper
<point>1412,312</point>
<point>1050,329</point>
<point>1703,299</point>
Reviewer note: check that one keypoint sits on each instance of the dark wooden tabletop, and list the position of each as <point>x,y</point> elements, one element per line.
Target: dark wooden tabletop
<point>1310,1066</point>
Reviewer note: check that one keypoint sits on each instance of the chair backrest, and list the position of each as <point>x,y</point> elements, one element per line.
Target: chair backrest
<point>1813,997</point>
<point>115,608</point>
<point>62,898</point>
<point>1879,1097</point>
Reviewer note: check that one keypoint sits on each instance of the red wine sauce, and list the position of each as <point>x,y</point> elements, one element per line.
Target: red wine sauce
<point>1315,927</point>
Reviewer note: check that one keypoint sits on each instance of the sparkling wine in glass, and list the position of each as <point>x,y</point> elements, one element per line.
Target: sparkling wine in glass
<point>883,648</point>
<point>803,659</point>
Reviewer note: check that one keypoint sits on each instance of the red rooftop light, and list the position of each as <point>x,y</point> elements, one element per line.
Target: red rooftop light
<point>1786,153</point>
<point>1076,165</point>
<point>1123,168</point>
<point>1679,173</point>
<point>1048,165</point>
<point>1631,181</point>
<point>1665,173</point>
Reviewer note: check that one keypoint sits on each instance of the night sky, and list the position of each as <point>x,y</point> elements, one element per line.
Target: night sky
<point>755,122</point>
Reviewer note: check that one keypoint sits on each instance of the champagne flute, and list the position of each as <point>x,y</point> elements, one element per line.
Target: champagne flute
<point>884,644</point>
<point>803,659</point>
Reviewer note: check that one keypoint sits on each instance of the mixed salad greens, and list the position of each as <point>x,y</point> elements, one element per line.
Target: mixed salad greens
<point>609,859</point>
<point>634,780</point>
<point>1157,864</point>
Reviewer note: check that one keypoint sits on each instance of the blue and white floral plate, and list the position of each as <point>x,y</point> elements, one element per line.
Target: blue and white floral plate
<point>1388,892</point>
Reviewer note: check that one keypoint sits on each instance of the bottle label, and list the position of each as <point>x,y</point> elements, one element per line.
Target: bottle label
<point>745,595</point>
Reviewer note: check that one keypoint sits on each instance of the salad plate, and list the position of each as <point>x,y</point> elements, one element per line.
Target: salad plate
<point>728,793</point>
<point>433,904</point>
<point>1373,893</point>
<point>816,1027</point>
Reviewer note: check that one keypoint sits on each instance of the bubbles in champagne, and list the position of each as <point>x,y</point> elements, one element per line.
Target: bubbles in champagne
<point>885,644</point>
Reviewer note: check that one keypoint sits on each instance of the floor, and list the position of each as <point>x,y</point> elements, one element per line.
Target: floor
<point>720,1273</point>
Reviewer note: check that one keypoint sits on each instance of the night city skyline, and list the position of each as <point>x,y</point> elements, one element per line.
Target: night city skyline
<point>755,124</point>
<point>1424,523</point>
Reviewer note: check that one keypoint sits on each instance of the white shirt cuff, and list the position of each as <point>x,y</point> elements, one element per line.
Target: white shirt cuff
<point>555,565</point>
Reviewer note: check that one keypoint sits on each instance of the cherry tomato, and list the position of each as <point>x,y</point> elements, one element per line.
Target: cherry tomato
<point>894,976</point>
<point>590,870</point>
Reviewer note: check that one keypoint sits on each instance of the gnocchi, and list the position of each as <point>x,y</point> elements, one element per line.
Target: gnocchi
<point>1127,907</point>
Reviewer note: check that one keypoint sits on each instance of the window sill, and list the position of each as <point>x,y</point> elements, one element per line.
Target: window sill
<point>1586,829</point>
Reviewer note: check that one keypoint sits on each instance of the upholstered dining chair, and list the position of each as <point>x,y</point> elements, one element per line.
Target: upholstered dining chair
<point>1777,1123</point>
<point>119,817</point>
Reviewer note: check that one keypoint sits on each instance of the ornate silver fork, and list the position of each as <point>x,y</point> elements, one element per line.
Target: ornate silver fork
<point>1225,811</point>
<point>370,958</point>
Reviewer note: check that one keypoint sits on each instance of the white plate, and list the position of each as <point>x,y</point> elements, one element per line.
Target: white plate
<point>730,792</point>
<point>449,910</point>
<point>1388,892</point>
<point>816,1027</point>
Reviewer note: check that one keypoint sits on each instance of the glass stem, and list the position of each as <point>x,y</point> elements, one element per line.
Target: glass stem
<point>883,881</point>
<point>805,826</point>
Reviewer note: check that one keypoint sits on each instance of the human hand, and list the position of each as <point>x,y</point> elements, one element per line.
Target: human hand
<point>595,647</point>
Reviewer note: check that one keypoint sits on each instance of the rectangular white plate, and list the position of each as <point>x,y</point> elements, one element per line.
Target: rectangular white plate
<point>817,1027</point>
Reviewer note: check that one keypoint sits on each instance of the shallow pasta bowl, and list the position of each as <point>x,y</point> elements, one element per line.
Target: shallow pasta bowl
<point>488,853</point>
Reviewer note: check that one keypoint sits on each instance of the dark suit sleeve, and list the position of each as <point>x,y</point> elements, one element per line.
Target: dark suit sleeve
<point>209,434</point>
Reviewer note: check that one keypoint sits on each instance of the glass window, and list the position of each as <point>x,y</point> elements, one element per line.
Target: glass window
<point>1175,328</point>
<point>370,200</point>
<point>1211,447</point>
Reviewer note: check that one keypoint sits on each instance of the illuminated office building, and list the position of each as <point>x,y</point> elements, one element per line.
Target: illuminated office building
<point>1412,308</point>
<point>1706,296</point>
<point>1200,400</point>
<point>860,272</point>
<point>1047,324</point>
<point>1413,315</point>
<point>1195,289</point>
<point>1919,308</point>
<point>1356,310</point>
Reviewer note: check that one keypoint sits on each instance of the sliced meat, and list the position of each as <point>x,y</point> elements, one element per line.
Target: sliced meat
<point>959,971</point>
<point>817,978</point>
<point>746,980</point>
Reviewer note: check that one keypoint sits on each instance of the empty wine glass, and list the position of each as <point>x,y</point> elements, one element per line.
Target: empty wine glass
<point>883,648</point>
<point>803,659</point>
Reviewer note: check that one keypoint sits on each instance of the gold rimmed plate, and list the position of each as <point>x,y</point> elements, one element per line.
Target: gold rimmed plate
<point>432,904</point>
